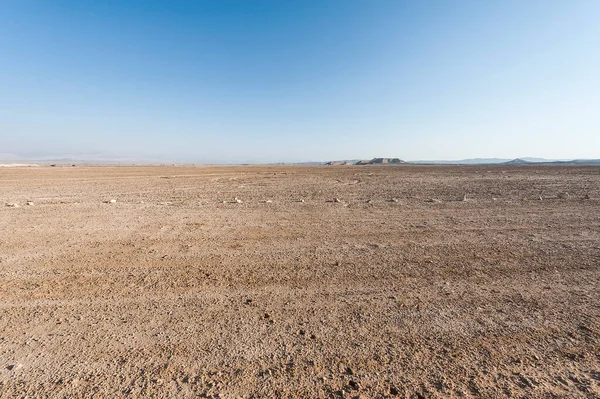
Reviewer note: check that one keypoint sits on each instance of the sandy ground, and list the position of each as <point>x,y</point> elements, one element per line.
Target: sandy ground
<point>400,289</point>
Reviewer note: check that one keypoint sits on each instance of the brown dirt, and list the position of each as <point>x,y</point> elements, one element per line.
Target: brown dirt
<point>169,292</point>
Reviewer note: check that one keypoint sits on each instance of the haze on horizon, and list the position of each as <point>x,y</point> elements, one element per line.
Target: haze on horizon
<point>269,81</point>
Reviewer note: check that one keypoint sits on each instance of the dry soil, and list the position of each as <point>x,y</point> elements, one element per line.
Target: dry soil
<point>349,281</point>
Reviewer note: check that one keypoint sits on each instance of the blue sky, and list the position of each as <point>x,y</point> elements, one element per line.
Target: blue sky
<point>271,81</point>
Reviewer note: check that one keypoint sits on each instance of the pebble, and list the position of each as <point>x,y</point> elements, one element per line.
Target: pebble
<point>237,200</point>
<point>563,195</point>
<point>30,203</point>
<point>336,200</point>
<point>12,205</point>
<point>14,367</point>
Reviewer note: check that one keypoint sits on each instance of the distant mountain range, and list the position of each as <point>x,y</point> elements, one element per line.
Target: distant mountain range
<point>374,161</point>
<point>516,161</point>
<point>472,161</point>
<point>7,158</point>
<point>489,161</point>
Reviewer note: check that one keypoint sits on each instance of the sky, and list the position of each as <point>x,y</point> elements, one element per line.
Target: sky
<point>288,81</point>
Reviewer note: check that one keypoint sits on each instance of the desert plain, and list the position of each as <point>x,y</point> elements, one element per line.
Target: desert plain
<point>300,281</point>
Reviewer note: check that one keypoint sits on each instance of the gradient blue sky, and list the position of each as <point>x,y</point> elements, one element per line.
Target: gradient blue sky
<point>269,81</point>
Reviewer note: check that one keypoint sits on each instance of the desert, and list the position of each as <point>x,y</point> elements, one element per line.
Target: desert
<point>300,281</point>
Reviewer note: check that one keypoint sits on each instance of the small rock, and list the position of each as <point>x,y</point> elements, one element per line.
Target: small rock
<point>237,200</point>
<point>563,195</point>
<point>586,197</point>
<point>336,200</point>
<point>268,201</point>
<point>14,367</point>
<point>300,200</point>
<point>13,205</point>
<point>30,203</point>
<point>301,332</point>
<point>394,200</point>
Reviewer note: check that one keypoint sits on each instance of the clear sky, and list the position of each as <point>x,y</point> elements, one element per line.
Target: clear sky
<point>270,81</point>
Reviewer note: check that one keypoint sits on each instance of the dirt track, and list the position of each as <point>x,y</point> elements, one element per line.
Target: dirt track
<point>169,292</point>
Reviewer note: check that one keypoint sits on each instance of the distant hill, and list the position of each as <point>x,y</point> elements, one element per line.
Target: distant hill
<point>384,161</point>
<point>518,161</point>
<point>579,162</point>
<point>526,161</point>
<point>343,162</point>
<point>374,161</point>
<point>491,161</point>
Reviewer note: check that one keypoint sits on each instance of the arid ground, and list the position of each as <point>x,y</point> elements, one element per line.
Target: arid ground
<point>349,281</point>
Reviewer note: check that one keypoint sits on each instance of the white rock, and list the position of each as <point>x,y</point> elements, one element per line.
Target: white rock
<point>30,203</point>
<point>12,205</point>
<point>112,201</point>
